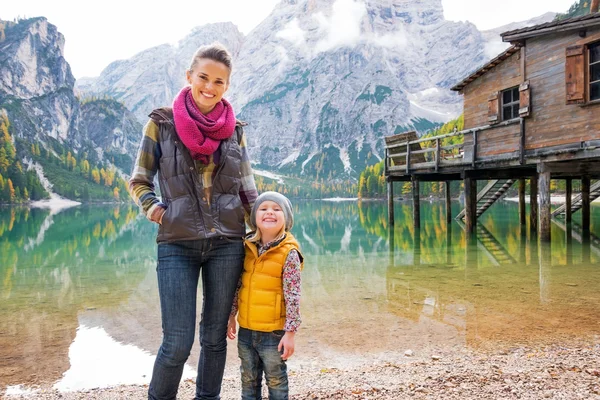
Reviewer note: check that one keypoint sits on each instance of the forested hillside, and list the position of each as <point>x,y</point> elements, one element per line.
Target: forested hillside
<point>579,8</point>
<point>16,183</point>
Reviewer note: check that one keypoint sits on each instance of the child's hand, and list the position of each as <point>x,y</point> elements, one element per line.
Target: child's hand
<point>231,327</point>
<point>287,343</point>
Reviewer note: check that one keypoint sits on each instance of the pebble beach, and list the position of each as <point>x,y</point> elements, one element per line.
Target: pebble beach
<point>553,372</point>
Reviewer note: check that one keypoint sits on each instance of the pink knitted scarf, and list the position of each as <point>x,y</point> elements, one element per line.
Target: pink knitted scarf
<point>200,133</point>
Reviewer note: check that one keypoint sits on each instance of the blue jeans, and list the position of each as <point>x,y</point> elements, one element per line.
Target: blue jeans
<point>258,352</point>
<point>220,261</point>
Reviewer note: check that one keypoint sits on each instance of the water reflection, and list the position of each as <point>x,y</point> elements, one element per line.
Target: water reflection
<point>87,275</point>
<point>98,360</point>
<point>52,267</point>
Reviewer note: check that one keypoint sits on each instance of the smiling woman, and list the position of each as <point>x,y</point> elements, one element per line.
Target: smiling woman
<point>198,150</point>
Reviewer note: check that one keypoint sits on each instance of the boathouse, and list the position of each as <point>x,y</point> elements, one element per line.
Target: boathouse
<point>531,113</point>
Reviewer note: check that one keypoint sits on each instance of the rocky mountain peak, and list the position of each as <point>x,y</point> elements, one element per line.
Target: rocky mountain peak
<point>37,95</point>
<point>32,59</point>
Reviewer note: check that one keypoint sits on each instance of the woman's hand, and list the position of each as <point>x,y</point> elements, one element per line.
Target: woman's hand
<point>157,214</point>
<point>287,344</point>
<point>231,327</point>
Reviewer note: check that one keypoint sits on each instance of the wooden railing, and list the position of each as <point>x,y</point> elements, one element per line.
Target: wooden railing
<point>409,155</point>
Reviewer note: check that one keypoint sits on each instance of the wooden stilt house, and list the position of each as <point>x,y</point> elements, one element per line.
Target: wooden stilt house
<point>532,112</point>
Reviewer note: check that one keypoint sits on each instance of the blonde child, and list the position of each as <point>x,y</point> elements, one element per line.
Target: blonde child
<point>268,298</point>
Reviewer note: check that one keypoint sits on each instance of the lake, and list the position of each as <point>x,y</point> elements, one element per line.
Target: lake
<point>79,304</point>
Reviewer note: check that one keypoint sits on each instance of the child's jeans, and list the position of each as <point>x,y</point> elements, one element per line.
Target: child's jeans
<point>258,352</point>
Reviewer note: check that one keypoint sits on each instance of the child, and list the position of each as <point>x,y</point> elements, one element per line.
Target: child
<point>268,298</point>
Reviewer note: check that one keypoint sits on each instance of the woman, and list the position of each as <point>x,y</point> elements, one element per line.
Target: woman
<point>207,189</point>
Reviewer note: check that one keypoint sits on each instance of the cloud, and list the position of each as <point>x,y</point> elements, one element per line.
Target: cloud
<point>396,40</point>
<point>292,32</point>
<point>493,48</point>
<point>343,27</point>
<point>283,59</point>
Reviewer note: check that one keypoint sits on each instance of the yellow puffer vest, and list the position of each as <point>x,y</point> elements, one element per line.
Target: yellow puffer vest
<point>261,302</point>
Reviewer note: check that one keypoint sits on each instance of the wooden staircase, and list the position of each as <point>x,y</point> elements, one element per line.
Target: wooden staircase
<point>494,250</point>
<point>576,202</point>
<point>577,234</point>
<point>493,246</point>
<point>494,190</point>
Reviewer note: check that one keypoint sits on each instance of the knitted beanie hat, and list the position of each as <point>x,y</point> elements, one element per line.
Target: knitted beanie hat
<point>284,203</point>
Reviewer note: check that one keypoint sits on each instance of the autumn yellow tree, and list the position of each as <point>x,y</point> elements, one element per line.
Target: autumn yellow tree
<point>96,175</point>
<point>11,190</point>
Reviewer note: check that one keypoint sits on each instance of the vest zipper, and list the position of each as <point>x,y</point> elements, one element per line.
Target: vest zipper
<point>223,157</point>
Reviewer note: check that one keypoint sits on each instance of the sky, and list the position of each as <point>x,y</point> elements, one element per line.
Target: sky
<point>102,32</point>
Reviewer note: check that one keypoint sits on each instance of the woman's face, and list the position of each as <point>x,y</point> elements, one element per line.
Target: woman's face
<point>209,81</point>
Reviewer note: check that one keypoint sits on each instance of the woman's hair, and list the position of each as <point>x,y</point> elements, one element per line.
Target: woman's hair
<point>216,52</point>
<point>256,236</point>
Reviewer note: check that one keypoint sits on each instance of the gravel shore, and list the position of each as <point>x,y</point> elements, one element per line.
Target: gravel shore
<point>519,373</point>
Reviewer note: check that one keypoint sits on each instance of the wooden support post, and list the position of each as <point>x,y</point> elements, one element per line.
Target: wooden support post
<point>437,154</point>
<point>391,245</point>
<point>586,244</point>
<point>407,157</point>
<point>417,248</point>
<point>471,256</point>
<point>449,243</point>
<point>386,161</point>
<point>545,263</point>
<point>533,204</point>
<point>522,123</point>
<point>568,198</point>
<point>585,204</point>
<point>545,211</point>
<point>470,204</point>
<point>416,204</point>
<point>390,193</point>
<point>474,155</point>
<point>522,212</point>
<point>448,203</point>
<point>523,245</point>
<point>569,243</point>
<point>533,248</point>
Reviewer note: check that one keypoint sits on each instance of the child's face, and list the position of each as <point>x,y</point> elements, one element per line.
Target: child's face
<point>269,218</point>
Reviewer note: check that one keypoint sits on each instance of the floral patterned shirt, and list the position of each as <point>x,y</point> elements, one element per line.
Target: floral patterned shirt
<point>291,287</point>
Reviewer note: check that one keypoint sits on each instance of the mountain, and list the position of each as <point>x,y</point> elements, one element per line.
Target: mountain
<point>50,130</point>
<point>320,82</point>
<point>494,43</point>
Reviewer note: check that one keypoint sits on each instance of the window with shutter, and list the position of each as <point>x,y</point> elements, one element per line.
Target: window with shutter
<point>575,74</point>
<point>510,103</point>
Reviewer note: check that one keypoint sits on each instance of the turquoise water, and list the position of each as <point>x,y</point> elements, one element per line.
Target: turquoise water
<point>79,305</point>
